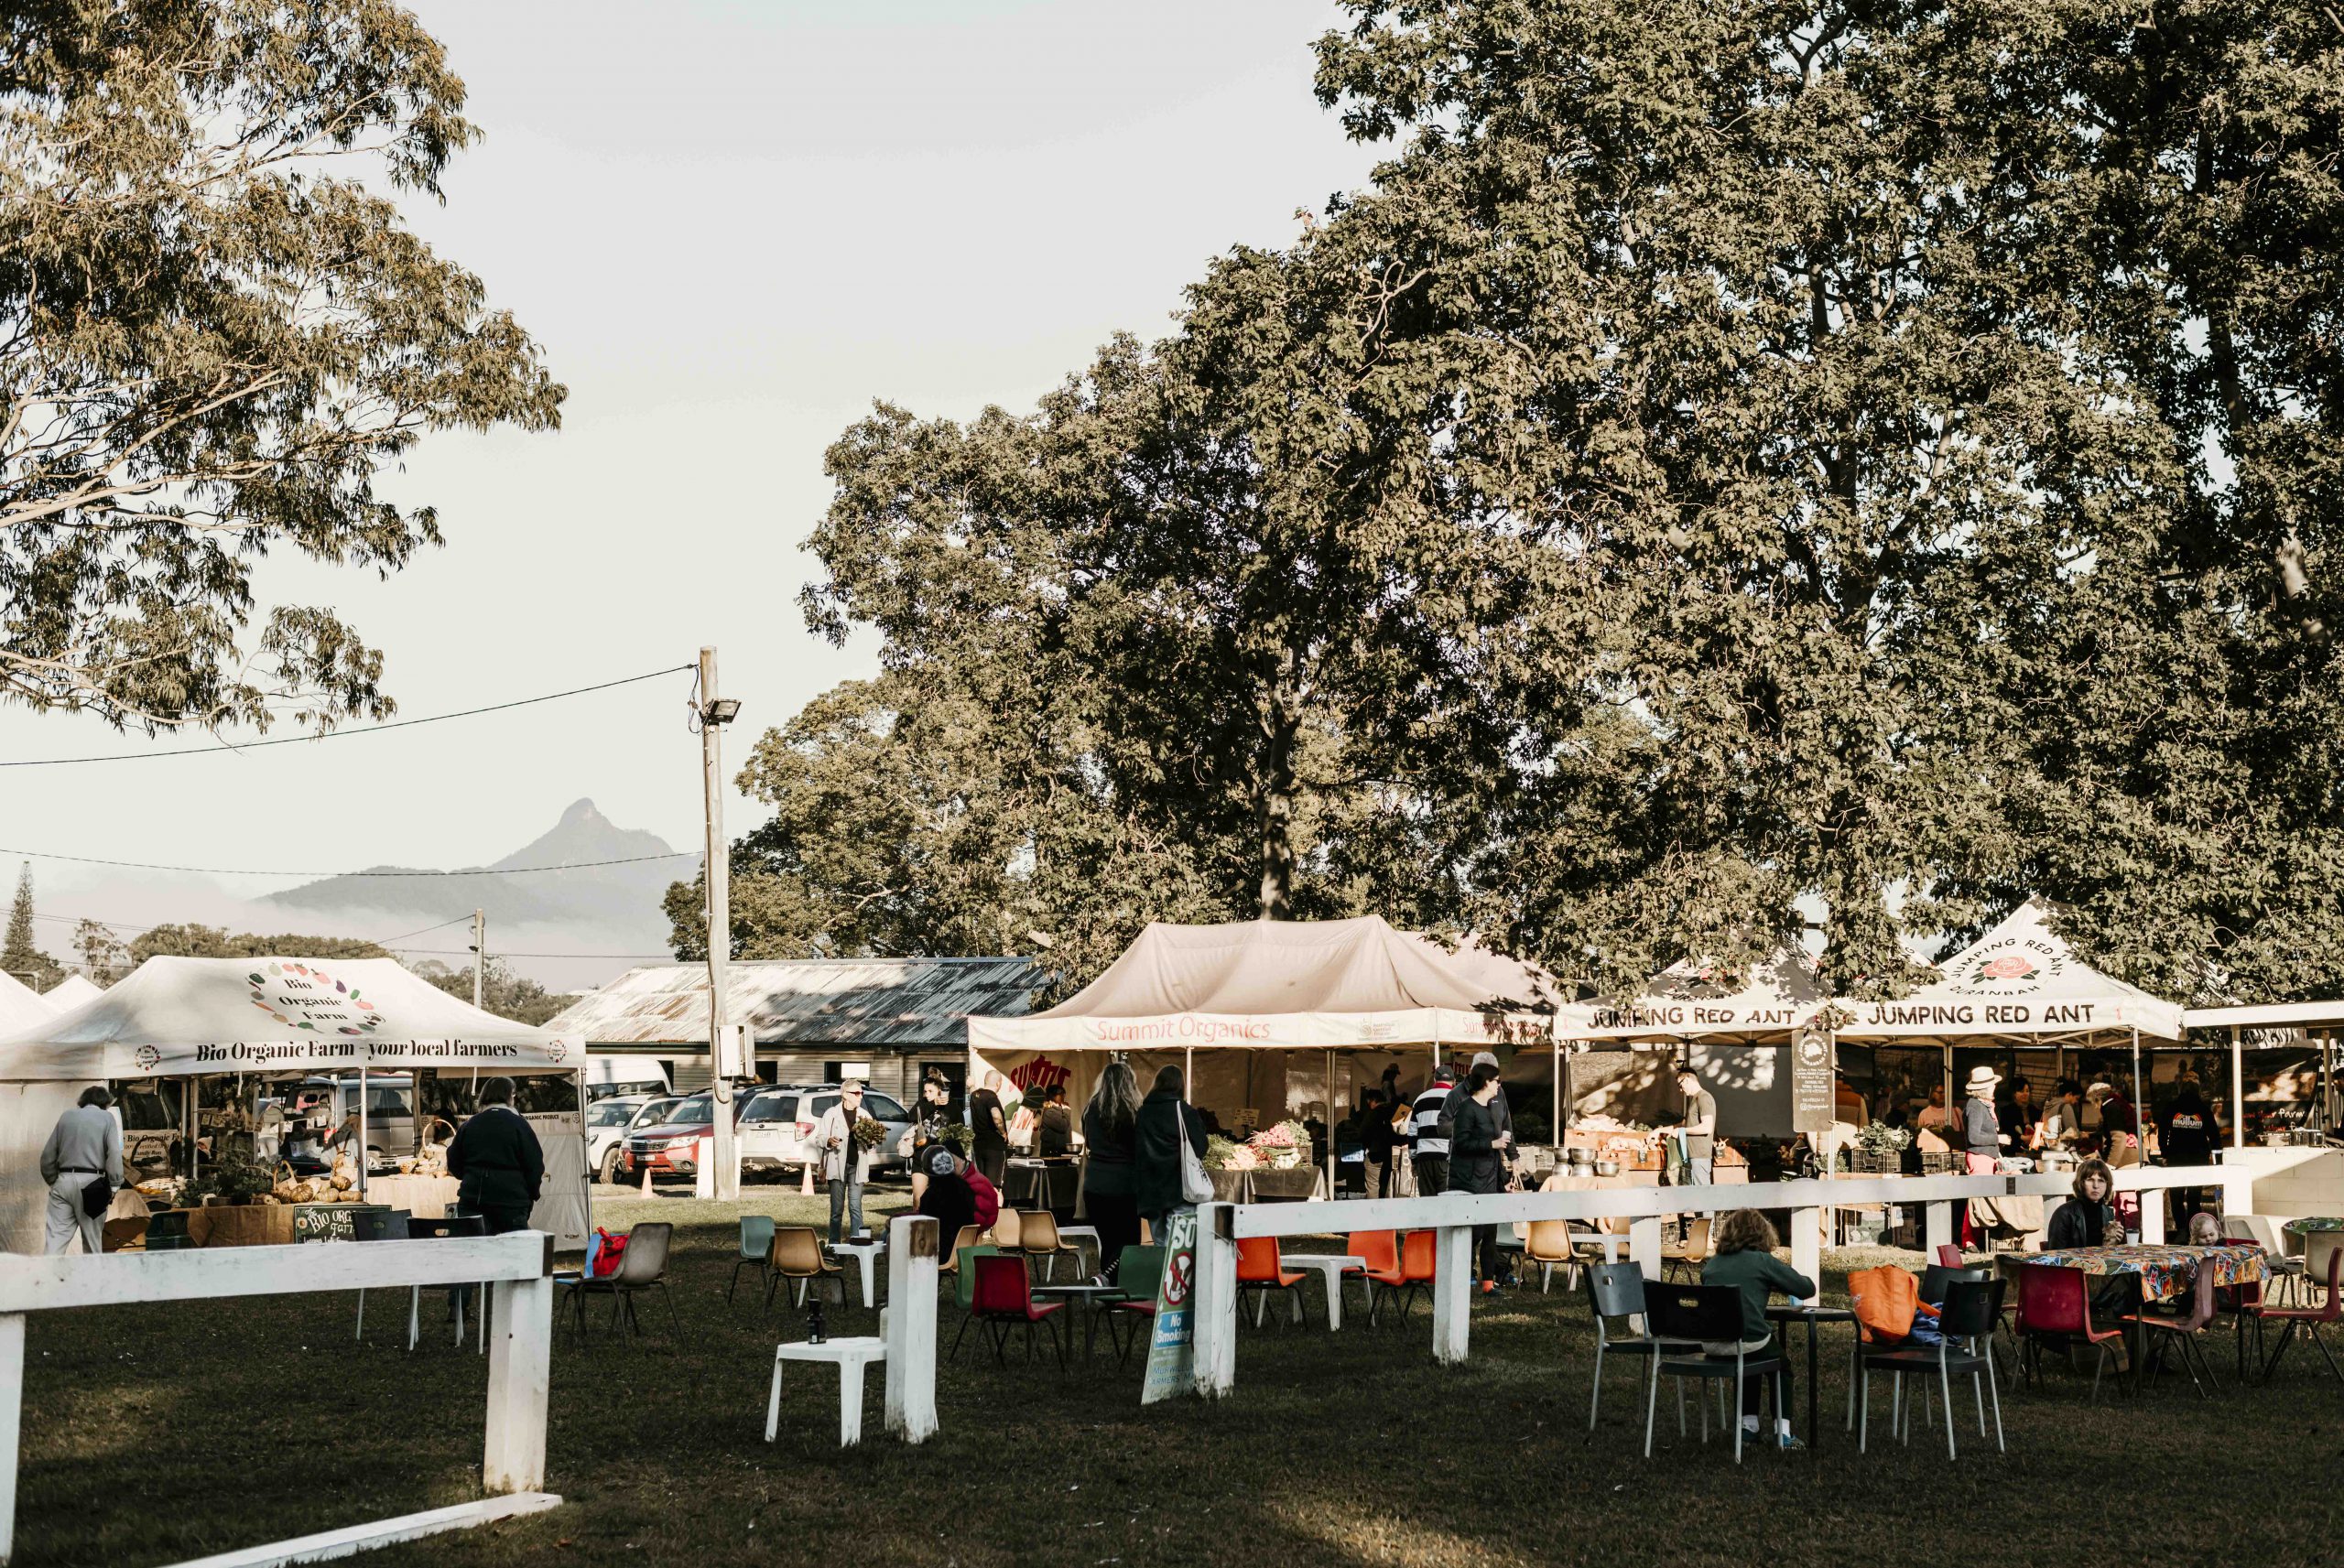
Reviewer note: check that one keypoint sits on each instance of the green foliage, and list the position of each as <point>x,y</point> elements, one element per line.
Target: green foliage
<point>101,951</point>
<point>192,941</point>
<point>503,992</point>
<point>233,1173</point>
<point>211,335</point>
<point>1733,462</point>
<point>20,952</point>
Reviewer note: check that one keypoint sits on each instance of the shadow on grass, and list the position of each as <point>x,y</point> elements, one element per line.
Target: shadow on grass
<point>240,1422</point>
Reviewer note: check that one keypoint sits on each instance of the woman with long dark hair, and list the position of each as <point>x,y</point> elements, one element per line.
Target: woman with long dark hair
<point>1110,1140</point>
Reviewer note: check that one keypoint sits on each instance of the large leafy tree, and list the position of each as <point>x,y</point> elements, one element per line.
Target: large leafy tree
<point>213,333</point>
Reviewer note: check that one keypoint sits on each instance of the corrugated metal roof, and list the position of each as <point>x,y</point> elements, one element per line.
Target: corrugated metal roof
<point>901,1002</point>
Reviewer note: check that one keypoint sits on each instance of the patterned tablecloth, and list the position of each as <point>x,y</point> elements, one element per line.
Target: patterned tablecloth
<point>2166,1272</point>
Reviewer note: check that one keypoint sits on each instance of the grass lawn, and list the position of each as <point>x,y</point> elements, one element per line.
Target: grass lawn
<point>157,1433</point>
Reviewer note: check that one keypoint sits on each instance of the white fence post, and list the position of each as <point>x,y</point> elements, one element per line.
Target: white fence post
<point>1213,1302</point>
<point>911,1327</point>
<point>520,1364</point>
<point>1643,1245</point>
<point>2237,1184</point>
<point>1938,1227</point>
<point>12,1410</point>
<point>2153,1202</point>
<point>1452,1290</point>
<point>1807,1242</point>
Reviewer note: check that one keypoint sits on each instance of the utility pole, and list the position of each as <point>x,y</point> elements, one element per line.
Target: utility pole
<point>715,713</point>
<point>480,952</point>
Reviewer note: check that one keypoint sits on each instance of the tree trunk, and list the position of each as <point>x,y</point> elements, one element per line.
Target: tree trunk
<point>1277,814</point>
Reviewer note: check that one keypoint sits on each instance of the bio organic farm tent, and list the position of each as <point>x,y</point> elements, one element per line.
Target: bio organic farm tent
<point>1247,993</point>
<point>175,1018</point>
<point>1732,1025</point>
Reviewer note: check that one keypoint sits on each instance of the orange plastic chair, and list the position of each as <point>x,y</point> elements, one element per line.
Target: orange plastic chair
<point>1260,1273</point>
<point>1379,1251</point>
<point>1412,1278</point>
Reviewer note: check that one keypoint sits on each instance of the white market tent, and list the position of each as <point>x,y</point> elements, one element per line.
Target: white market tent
<point>176,1018</point>
<point>1249,992</point>
<point>20,1005</point>
<point>2019,985</point>
<point>72,992</point>
<point>1732,1025</point>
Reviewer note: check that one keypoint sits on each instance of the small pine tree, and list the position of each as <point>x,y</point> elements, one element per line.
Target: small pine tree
<point>18,955</point>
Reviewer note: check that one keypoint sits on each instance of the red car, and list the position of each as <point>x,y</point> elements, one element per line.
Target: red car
<point>667,1149</point>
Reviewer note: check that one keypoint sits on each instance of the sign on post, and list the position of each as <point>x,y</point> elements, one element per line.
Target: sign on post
<point>1813,1104</point>
<point>1172,1349</point>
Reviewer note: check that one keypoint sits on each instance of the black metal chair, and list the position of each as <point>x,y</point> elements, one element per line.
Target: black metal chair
<point>1965,1329</point>
<point>1703,1314</point>
<point>387,1226</point>
<point>1617,1289</point>
<point>444,1228</point>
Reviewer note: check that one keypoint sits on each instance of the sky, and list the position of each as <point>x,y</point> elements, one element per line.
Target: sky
<point>730,232</point>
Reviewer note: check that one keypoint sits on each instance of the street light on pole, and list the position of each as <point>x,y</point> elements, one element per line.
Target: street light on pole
<point>714,713</point>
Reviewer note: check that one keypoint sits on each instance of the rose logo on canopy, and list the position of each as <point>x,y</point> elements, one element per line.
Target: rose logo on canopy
<point>148,1056</point>
<point>2013,968</point>
<point>302,996</point>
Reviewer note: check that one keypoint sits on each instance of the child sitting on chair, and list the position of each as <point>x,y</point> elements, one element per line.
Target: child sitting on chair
<point>1745,1258</point>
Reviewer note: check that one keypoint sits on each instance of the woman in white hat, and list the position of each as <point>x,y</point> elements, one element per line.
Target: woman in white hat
<point>1983,1134</point>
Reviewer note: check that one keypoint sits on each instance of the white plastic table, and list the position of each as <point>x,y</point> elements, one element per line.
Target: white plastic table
<point>1331,1268</point>
<point>864,1252</point>
<point>1098,1247</point>
<point>850,1356</point>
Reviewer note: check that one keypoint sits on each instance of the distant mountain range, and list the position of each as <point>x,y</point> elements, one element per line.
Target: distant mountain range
<point>615,908</point>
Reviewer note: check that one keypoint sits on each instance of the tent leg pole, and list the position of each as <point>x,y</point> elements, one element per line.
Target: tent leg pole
<point>1188,1074</point>
<point>1331,1125</point>
<point>2238,1090</point>
<point>2140,1143</point>
<point>1557,1124</point>
<point>362,1160</point>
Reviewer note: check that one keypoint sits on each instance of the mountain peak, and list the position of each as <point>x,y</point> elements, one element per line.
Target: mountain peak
<point>580,814</point>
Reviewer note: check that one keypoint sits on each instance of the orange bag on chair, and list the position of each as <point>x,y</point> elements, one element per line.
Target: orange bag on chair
<point>1885,1301</point>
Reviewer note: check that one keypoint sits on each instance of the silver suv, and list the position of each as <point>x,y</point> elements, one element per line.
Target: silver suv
<point>777,1126</point>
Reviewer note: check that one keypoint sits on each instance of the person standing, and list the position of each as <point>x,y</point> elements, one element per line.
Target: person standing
<point>1110,1136</point>
<point>2063,1121</point>
<point>846,1159</point>
<point>1382,1140</point>
<point>1935,1118</point>
<point>1699,1130</point>
<point>1055,1138</point>
<point>1982,1131</point>
<point>2185,1134</point>
<point>992,1128</point>
<point>496,1160</point>
<point>85,1146</point>
<point>1425,1134</point>
<point>1164,1119</point>
<point>1479,1152</point>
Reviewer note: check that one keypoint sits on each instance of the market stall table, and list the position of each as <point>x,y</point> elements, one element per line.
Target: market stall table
<point>849,1357</point>
<point>1099,1296</point>
<point>1811,1315</point>
<point>1331,1268</point>
<point>864,1253</point>
<point>1040,1184</point>
<point>423,1197</point>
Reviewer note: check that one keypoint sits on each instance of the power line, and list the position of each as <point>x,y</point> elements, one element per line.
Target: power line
<point>259,872</point>
<point>226,747</point>
<point>496,953</point>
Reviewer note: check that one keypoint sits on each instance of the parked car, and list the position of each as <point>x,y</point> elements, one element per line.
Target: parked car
<point>775,1127</point>
<point>610,1121</point>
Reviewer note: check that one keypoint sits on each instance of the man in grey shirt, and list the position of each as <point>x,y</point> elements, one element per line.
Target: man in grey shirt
<point>85,1144</point>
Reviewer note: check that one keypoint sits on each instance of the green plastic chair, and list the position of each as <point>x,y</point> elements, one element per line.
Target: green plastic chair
<point>964,1279</point>
<point>756,1251</point>
<point>1139,1274</point>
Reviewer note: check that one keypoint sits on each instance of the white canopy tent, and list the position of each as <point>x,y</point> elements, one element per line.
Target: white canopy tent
<point>1732,1025</point>
<point>183,1018</point>
<point>1251,991</point>
<point>2019,985</point>
<point>71,992</point>
<point>20,1005</point>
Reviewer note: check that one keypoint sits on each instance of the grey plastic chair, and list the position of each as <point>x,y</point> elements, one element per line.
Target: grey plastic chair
<point>1966,1328</point>
<point>756,1251</point>
<point>642,1267</point>
<point>1617,1291</point>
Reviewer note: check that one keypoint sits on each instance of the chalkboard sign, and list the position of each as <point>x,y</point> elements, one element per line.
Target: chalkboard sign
<point>1812,1079</point>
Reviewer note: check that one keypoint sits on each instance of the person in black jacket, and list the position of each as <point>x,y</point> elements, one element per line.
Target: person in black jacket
<point>2186,1136</point>
<point>1479,1145</point>
<point>497,1159</point>
<point>1163,1122</point>
<point>1110,1123</point>
<point>2089,1219</point>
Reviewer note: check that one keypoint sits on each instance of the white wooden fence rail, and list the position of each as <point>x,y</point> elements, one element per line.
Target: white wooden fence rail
<point>1451,1218</point>
<point>520,1265</point>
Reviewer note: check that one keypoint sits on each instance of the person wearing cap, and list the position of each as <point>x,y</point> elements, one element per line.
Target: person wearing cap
<point>1426,1136</point>
<point>846,1163</point>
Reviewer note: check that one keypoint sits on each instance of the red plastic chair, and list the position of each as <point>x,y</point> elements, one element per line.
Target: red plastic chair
<point>1260,1273</point>
<point>1950,1256</point>
<point>2055,1300</point>
<point>1003,1299</point>
<point>2244,1302</point>
<point>2309,1318</point>
<point>2185,1332</point>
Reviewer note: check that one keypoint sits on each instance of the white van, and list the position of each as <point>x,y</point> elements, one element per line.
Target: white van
<point>608,1075</point>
